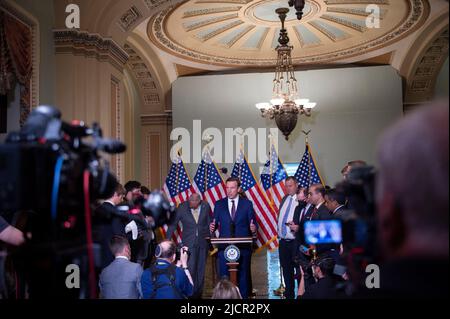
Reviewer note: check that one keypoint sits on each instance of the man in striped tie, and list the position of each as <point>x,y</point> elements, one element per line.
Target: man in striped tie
<point>288,243</point>
<point>235,217</point>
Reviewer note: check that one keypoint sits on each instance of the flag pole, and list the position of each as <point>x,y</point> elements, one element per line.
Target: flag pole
<point>208,153</point>
<point>309,157</point>
<point>271,168</point>
<point>242,151</point>
<point>281,289</point>
<point>177,174</point>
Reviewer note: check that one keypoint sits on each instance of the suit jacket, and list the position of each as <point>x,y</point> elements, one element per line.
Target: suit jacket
<point>322,213</point>
<point>121,280</point>
<point>103,217</point>
<point>105,227</point>
<point>300,236</point>
<point>296,219</point>
<point>194,234</point>
<point>244,215</point>
<point>339,212</point>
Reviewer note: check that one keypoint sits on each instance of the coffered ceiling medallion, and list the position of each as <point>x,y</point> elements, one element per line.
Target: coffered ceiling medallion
<point>245,32</point>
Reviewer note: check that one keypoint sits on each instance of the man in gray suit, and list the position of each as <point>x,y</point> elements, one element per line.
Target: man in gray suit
<point>122,278</point>
<point>195,216</point>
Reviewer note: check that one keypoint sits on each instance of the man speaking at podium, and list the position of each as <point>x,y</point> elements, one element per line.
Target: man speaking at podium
<point>235,217</point>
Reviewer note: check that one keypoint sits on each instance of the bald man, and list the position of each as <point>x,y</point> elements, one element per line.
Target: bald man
<point>412,201</point>
<point>195,217</point>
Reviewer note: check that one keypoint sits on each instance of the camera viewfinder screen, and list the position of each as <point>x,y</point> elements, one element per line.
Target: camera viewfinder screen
<point>323,232</point>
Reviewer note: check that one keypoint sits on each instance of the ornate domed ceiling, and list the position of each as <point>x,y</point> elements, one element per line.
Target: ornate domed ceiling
<point>245,32</point>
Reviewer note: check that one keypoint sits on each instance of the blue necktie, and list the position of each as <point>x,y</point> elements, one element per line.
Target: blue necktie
<point>285,217</point>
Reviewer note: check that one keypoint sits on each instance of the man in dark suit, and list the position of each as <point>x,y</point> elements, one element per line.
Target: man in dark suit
<point>286,235</point>
<point>335,202</point>
<point>140,245</point>
<point>235,217</point>
<point>321,212</point>
<point>300,214</point>
<point>106,224</point>
<point>317,198</point>
<point>195,216</point>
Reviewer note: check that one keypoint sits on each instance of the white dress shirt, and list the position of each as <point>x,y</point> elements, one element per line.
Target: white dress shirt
<point>320,204</point>
<point>289,235</point>
<point>230,204</point>
<point>122,257</point>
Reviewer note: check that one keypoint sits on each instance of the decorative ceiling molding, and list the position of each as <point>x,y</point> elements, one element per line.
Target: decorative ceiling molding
<point>157,119</point>
<point>152,4</point>
<point>88,44</point>
<point>328,35</point>
<point>129,19</point>
<point>420,86</point>
<point>146,85</point>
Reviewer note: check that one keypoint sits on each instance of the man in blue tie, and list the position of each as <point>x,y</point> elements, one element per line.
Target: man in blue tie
<point>235,217</point>
<point>288,243</point>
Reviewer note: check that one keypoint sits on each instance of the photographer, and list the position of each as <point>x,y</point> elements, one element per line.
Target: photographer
<point>164,280</point>
<point>325,286</point>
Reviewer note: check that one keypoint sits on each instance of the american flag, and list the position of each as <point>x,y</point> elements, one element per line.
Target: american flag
<point>208,182</point>
<point>307,173</point>
<point>273,177</point>
<point>178,188</point>
<point>265,214</point>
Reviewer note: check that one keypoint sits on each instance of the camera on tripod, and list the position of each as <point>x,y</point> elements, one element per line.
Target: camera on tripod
<point>51,172</point>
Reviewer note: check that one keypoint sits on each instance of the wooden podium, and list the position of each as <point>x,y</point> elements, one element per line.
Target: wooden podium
<point>232,253</point>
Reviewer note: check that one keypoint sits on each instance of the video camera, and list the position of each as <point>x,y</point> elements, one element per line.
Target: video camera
<point>50,174</point>
<point>43,166</point>
<point>178,252</point>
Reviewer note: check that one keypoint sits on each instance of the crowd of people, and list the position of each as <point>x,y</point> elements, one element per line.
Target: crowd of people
<point>411,218</point>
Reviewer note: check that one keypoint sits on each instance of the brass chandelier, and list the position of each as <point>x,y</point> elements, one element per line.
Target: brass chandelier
<point>285,105</point>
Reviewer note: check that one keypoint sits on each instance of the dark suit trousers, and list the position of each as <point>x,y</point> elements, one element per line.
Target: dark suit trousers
<point>197,265</point>
<point>287,252</point>
<point>244,270</point>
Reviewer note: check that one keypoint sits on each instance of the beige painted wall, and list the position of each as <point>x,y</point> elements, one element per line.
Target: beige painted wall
<point>354,106</point>
<point>83,92</point>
